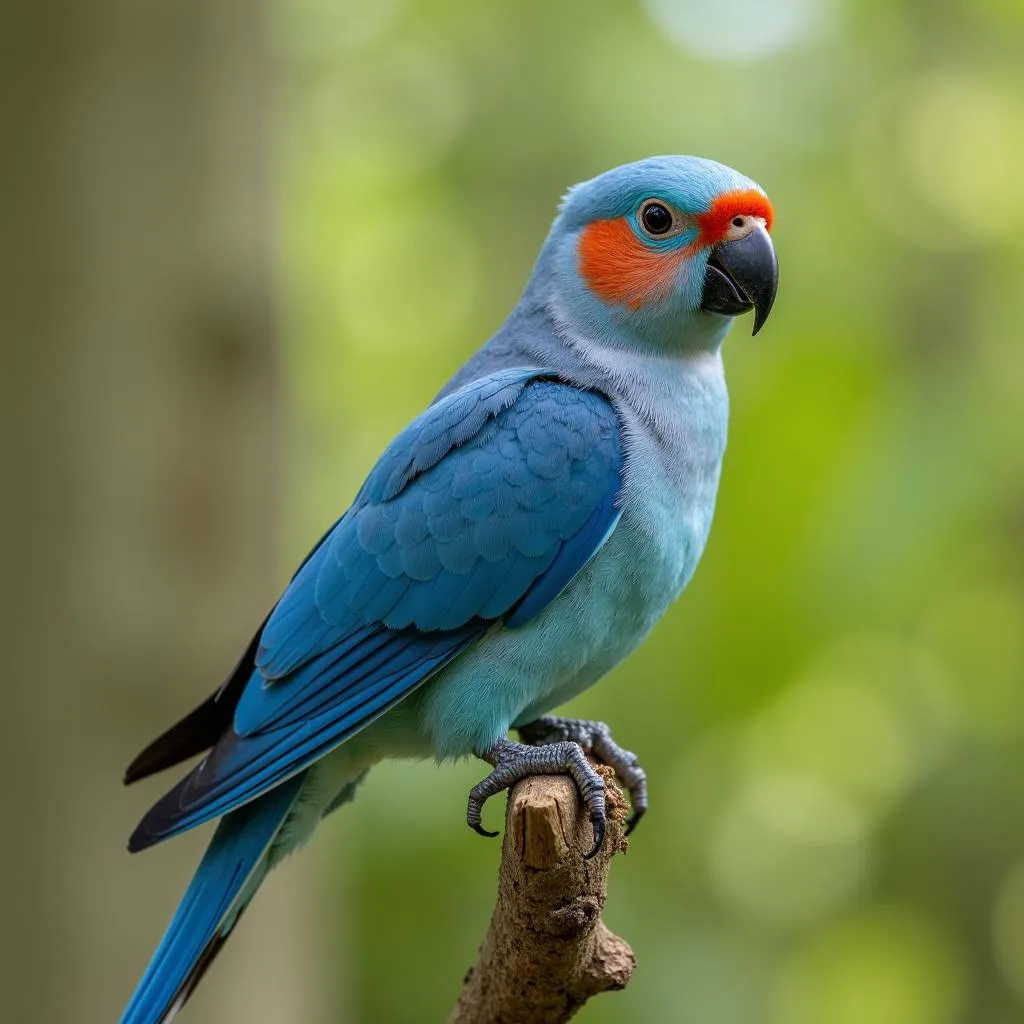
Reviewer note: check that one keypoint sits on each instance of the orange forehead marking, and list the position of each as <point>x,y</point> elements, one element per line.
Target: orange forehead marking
<point>620,268</point>
<point>743,202</point>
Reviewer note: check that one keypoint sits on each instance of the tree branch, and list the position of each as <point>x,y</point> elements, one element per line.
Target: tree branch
<point>547,951</point>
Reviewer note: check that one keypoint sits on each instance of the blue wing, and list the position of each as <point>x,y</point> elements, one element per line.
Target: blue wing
<point>481,511</point>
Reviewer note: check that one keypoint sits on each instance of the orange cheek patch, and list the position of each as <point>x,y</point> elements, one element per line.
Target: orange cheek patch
<point>742,203</point>
<point>619,268</point>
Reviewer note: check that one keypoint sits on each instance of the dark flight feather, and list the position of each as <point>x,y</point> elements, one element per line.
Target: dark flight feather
<point>199,730</point>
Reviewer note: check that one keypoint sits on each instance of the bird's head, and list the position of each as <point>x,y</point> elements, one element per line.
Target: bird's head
<point>663,252</point>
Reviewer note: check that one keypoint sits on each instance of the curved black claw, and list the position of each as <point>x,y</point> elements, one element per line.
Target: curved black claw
<point>515,761</point>
<point>595,738</point>
<point>598,824</point>
<point>633,820</point>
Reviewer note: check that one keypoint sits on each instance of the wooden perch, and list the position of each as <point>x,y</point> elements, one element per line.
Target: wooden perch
<point>547,951</point>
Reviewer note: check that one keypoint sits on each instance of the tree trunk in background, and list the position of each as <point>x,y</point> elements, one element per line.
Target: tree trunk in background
<point>140,463</point>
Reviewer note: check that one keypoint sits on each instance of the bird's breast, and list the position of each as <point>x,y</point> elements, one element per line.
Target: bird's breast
<point>674,438</point>
<point>675,428</point>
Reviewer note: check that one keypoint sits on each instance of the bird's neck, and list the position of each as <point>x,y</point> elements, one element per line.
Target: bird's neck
<point>532,337</point>
<point>602,354</point>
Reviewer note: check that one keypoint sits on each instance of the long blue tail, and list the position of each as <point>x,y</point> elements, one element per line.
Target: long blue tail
<point>198,928</point>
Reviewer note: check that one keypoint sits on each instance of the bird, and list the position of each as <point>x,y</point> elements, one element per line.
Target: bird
<point>517,540</point>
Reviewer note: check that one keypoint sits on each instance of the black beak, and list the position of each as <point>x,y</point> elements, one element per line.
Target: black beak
<point>742,275</point>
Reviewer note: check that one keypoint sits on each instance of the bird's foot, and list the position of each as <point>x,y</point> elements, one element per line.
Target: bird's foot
<point>515,761</point>
<point>594,738</point>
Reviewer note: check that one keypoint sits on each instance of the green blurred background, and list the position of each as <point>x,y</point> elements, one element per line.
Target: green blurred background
<point>245,242</point>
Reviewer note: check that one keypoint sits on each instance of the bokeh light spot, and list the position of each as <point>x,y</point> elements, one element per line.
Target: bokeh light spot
<point>788,849</point>
<point>941,160</point>
<point>869,718</point>
<point>964,150</point>
<point>406,278</point>
<point>882,966</point>
<point>738,29</point>
<point>396,118</point>
<point>328,30</point>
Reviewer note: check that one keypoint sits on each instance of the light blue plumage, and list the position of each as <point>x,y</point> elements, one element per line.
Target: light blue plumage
<point>515,542</point>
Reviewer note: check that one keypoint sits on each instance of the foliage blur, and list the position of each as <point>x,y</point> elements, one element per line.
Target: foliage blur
<point>832,716</point>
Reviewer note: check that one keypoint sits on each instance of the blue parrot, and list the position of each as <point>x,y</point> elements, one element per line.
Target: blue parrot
<point>515,542</point>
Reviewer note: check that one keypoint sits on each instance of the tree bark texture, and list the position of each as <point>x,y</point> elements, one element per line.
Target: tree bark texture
<point>547,950</point>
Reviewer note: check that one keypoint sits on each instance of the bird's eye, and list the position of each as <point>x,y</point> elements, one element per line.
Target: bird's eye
<point>656,218</point>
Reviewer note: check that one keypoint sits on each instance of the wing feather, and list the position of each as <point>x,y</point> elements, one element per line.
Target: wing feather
<point>481,511</point>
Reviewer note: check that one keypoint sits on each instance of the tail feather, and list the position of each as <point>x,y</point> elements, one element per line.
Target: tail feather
<point>208,912</point>
<point>202,965</point>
